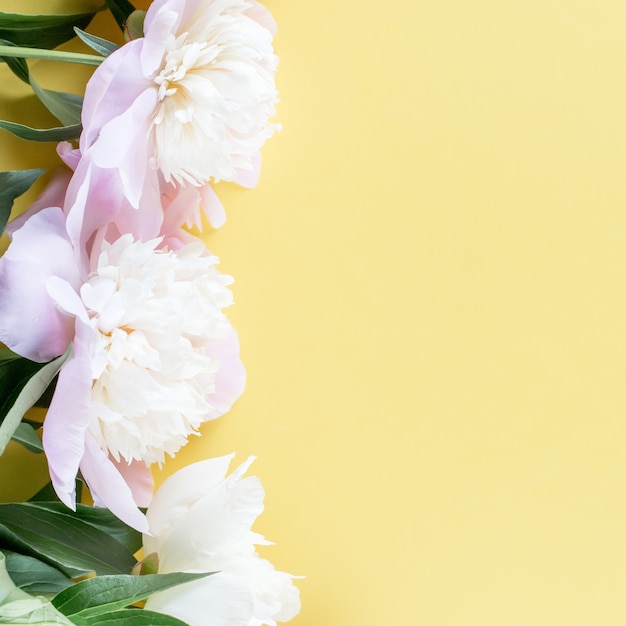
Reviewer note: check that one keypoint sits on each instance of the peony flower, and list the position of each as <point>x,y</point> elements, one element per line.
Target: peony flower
<point>187,103</point>
<point>153,355</point>
<point>201,521</point>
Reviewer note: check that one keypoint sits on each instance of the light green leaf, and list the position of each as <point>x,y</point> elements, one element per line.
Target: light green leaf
<point>42,31</point>
<point>121,9</point>
<point>104,594</point>
<point>27,436</point>
<point>60,133</point>
<point>134,25</point>
<point>12,185</point>
<point>28,390</point>
<point>18,607</point>
<point>35,576</point>
<point>130,617</point>
<point>101,46</point>
<point>64,539</point>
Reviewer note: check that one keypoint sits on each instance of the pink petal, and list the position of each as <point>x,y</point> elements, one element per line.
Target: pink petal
<point>139,478</point>
<point>250,178</point>
<point>130,156</point>
<point>67,420</point>
<point>30,323</point>
<point>108,487</point>
<point>68,154</point>
<point>230,379</point>
<point>112,89</point>
<point>212,206</point>
<point>161,21</point>
<point>262,15</point>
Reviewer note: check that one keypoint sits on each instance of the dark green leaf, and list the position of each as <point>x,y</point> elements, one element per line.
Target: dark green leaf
<point>105,521</point>
<point>66,107</point>
<point>101,46</point>
<point>41,31</point>
<point>33,575</point>
<point>27,436</point>
<point>46,397</point>
<point>121,9</point>
<point>12,185</point>
<point>69,541</point>
<point>130,617</point>
<point>48,494</point>
<point>16,65</point>
<point>22,382</point>
<point>60,133</point>
<point>104,594</point>
<point>45,494</point>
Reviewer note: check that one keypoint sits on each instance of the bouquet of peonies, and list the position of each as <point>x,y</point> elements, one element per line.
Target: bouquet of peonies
<point>112,315</point>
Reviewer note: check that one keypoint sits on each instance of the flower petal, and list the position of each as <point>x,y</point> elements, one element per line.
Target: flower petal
<point>230,379</point>
<point>67,419</point>
<point>30,323</point>
<point>219,600</point>
<point>179,491</point>
<point>108,487</point>
<point>212,206</point>
<point>139,478</point>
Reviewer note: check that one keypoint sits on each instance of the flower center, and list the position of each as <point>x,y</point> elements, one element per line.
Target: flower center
<point>156,312</point>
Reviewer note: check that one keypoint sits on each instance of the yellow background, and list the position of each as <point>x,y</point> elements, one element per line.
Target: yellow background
<point>430,302</point>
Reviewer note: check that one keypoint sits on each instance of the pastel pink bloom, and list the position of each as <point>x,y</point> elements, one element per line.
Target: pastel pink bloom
<point>153,355</point>
<point>188,103</point>
<point>201,521</point>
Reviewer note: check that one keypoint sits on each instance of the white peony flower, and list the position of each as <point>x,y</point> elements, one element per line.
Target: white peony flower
<point>201,522</point>
<point>156,313</point>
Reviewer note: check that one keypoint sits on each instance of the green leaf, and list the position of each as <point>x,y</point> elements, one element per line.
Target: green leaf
<point>12,185</point>
<point>29,380</point>
<point>8,355</point>
<point>66,107</point>
<point>27,436</point>
<point>35,576</point>
<point>48,494</point>
<point>60,133</point>
<point>104,594</point>
<point>103,520</point>
<point>101,46</point>
<point>18,607</point>
<point>133,29</point>
<point>42,31</point>
<point>16,65</point>
<point>121,9</point>
<point>70,541</point>
<point>130,617</point>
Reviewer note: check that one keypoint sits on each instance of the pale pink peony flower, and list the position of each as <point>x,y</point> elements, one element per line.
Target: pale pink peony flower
<point>188,103</point>
<point>200,521</point>
<point>153,355</point>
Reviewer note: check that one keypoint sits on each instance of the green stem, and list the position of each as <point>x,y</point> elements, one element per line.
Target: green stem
<point>50,55</point>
